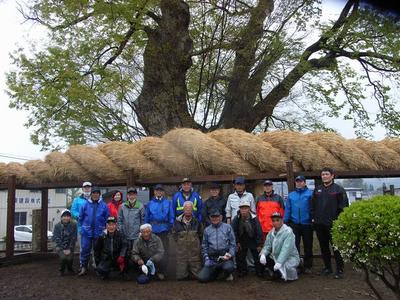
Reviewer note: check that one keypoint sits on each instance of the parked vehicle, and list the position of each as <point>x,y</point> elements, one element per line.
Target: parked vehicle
<point>23,233</point>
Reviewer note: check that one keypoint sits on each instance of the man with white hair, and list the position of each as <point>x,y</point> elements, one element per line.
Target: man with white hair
<point>147,253</point>
<point>187,232</point>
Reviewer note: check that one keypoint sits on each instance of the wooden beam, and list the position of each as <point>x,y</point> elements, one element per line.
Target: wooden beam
<point>130,178</point>
<point>44,218</point>
<point>226,178</point>
<point>290,175</point>
<point>12,182</point>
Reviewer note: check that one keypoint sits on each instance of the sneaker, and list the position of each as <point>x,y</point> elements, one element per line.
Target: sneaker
<point>229,278</point>
<point>326,272</point>
<point>82,272</point>
<point>339,274</point>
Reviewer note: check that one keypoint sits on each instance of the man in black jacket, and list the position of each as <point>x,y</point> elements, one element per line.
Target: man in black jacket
<point>214,202</point>
<point>249,236</point>
<point>328,202</point>
<point>110,250</point>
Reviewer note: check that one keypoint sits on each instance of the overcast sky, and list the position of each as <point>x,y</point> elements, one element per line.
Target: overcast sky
<point>14,137</point>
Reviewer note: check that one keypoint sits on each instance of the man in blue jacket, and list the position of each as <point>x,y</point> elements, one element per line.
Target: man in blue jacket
<point>218,249</point>
<point>297,216</point>
<point>92,219</point>
<point>160,215</point>
<point>78,203</point>
<point>186,193</point>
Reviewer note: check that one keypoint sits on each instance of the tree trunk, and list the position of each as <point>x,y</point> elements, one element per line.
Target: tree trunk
<point>162,104</point>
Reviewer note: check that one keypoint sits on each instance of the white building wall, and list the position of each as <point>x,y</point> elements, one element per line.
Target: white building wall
<point>27,201</point>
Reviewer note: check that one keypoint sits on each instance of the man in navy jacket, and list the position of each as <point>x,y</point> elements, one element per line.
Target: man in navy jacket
<point>297,216</point>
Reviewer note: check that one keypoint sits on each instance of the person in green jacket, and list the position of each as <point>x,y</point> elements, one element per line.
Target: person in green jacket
<point>279,253</point>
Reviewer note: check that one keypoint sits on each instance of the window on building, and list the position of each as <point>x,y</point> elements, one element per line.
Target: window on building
<point>37,200</point>
<point>20,218</point>
<point>21,200</point>
<point>32,200</point>
<point>16,200</point>
<point>60,191</point>
<point>26,200</point>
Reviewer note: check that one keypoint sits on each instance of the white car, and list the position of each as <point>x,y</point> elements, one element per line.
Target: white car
<point>23,233</point>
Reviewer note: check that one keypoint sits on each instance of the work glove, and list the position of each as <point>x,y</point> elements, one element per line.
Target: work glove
<point>209,263</point>
<point>145,270</point>
<point>121,263</point>
<point>277,266</point>
<point>263,259</point>
<point>151,267</point>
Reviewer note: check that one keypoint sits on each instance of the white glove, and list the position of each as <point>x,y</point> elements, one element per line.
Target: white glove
<point>145,270</point>
<point>277,266</point>
<point>263,259</point>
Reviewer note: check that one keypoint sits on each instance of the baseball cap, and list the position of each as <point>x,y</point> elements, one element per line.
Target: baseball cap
<point>244,202</point>
<point>268,182</point>
<point>86,183</point>
<point>186,179</point>
<point>300,178</point>
<point>111,219</point>
<point>239,180</point>
<point>132,190</point>
<point>276,215</point>
<point>159,187</point>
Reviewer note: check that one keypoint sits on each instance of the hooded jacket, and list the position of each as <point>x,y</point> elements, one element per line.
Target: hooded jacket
<point>130,219</point>
<point>64,235</point>
<point>159,214</point>
<point>298,206</point>
<point>266,206</point>
<point>92,218</point>
<point>178,199</point>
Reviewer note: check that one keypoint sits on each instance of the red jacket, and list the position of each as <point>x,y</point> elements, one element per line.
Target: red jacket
<point>113,206</point>
<point>266,205</point>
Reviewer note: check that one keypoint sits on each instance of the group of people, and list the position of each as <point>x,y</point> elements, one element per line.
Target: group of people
<point>212,238</point>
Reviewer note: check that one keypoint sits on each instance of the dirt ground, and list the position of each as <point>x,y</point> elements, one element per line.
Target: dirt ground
<point>40,280</point>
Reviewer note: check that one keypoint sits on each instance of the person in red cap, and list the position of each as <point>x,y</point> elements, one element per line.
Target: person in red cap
<point>266,204</point>
<point>110,250</point>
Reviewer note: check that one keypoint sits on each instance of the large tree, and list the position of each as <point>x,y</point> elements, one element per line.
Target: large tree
<point>119,70</point>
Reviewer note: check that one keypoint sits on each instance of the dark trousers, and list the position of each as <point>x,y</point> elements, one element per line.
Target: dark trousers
<point>325,238</point>
<point>270,266</point>
<point>207,274</point>
<point>305,232</point>
<point>242,261</point>
<point>65,260</point>
<point>105,266</point>
<point>165,241</point>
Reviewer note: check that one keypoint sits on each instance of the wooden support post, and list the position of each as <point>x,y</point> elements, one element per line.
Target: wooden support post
<point>290,175</point>
<point>11,187</point>
<point>131,180</point>
<point>391,189</point>
<point>44,218</point>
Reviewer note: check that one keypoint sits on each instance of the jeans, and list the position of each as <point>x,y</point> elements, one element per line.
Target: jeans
<point>210,273</point>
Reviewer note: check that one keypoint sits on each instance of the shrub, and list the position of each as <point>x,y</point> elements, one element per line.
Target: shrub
<point>368,234</point>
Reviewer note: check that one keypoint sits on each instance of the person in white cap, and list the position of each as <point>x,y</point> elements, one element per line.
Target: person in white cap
<point>64,237</point>
<point>78,203</point>
<point>148,252</point>
<point>279,253</point>
<point>249,236</point>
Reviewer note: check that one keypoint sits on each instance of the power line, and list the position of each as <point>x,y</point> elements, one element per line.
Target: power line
<point>14,157</point>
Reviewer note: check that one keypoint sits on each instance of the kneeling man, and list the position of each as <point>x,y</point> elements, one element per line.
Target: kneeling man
<point>279,253</point>
<point>110,249</point>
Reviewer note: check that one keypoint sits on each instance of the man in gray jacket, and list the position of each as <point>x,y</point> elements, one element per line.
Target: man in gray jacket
<point>64,236</point>
<point>148,252</point>
<point>218,249</point>
<point>130,217</point>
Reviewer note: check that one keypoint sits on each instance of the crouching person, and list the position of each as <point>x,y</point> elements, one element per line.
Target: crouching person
<point>147,253</point>
<point>249,236</point>
<point>218,248</point>
<point>64,236</point>
<point>109,250</point>
<point>279,253</point>
<point>187,233</point>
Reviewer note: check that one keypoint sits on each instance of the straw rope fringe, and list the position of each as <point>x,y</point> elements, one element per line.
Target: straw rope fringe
<point>189,152</point>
